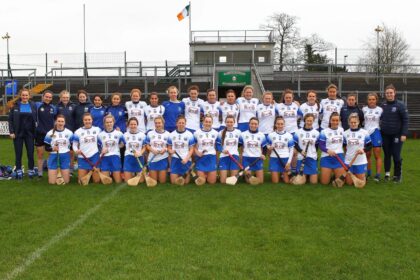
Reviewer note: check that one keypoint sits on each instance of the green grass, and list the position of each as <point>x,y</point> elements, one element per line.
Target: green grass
<point>219,232</point>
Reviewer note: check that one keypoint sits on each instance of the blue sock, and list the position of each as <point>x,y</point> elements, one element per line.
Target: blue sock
<point>369,172</point>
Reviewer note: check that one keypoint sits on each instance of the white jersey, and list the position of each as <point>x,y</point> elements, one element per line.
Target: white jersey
<point>230,143</point>
<point>181,143</point>
<point>247,109</point>
<point>305,109</point>
<point>331,139</point>
<point>266,115</point>
<point>86,140</point>
<point>290,113</point>
<point>192,112</point>
<point>111,141</point>
<point>151,114</point>
<point>356,140</point>
<point>214,111</point>
<point>230,110</point>
<point>372,118</point>
<point>158,141</point>
<point>253,142</point>
<point>206,140</point>
<point>61,139</point>
<point>305,137</point>
<point>328,106</point>
<point>134,142</point>
<point>283,144</point>
<point>137,110</point>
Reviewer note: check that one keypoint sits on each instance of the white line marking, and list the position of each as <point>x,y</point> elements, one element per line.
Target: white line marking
<point>38,252</point>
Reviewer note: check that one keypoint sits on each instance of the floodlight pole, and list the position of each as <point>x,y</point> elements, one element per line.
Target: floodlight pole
<point>378,29</point>
<point>9,69</point>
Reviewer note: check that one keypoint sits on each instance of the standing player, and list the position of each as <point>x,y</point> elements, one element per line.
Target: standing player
<point>193,108</point>
<point>394,130</point>
<point>180,142</point>
<point>205,151</point>
<point>98,112</point>
<point>228,144</point>
<point>135,147</point>
<point>111,140</point>
<point>230,108</point>
<point>46,113</point>
<point>289,110</point>
<point>308,137</point>
<point>136,108</point>
<point>118,111</point>
<point>349,108</point>
<point>247,107</point>
<point>331,144</point>
<point>330,105</point>
<point>357,141</point>
<point>266,113</point>
<point>253,143</point>
<point>66,108</point>
<point>59,138</point>
<point>157,142</point>
<point>153,111</point>
<point>85,141</point>
<point>282,142</point>
<point>211,107</point>
<point>310,106</point>
<point>173,109</point>
<point>372,114</point>
<point>81,108</point>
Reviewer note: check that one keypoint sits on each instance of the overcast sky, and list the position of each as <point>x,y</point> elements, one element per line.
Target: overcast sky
<point>150,31</point>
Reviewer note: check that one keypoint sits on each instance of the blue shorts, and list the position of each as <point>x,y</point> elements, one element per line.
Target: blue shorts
<point>159,165</point>
<point>64,161</point>
<point>274,164</point>
<point>111,163</point>
<point>248,160</point>
<point>331,162</point>
<point>178,168</point>
<point>243,126</point>
<point>206,163</point>
<point>131,164</point>
<point>376,138</point>
<point>310,166</point>
<point>83,164</point>
<point>226,163</point>
<point>358,169</point>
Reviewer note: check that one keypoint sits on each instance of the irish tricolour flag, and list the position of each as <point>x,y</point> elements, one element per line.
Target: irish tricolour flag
<point>184,13</point>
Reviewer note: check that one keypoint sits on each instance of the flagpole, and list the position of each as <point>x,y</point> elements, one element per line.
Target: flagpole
<point>189,23</point>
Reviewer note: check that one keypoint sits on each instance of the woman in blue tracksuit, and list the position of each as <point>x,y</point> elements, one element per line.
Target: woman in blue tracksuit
<point>22,123</point>
<point>118,111</point>
<point>66,108</point>
<point>98,112</point>
<point>81,108</point>
<point>394,130</point>
<point>173,109</point>
<point>349,108</point>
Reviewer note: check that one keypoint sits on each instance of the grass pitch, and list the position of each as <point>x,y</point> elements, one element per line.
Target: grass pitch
<point>210,232</point>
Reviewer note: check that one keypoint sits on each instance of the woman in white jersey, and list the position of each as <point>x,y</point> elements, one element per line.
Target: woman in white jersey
<point>136,108</point>
<point>329,105</point>
<point>205,151</point>
<point>134,148</point>
<point>211,107</point>
<point>253,143</point>
<point>280,147</point>
<point>153,111</point>
<point>85,142</point>
<point>247,107</point>
<point>193,108</point>
<point>229,108</point>
<point>266,113</point>
<point>372,114</point>
<point>357,141</point>
<point>306,139</point>
<point>229,140</point>
<point>331,144</point>
<point>59,138</point>
<point>157,145</point>
<point>111,140</point>
<point>180,147</point>
<point>310,106</point>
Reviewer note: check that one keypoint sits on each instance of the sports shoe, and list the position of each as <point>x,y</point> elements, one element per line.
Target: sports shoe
<point>397,179</point>
<point>19,174</point>
<point>31,173</point>
<point>377,178</point>
<point>387,178</point>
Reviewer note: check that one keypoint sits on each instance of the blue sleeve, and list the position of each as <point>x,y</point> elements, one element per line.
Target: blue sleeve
<point>323,142</point>
<point>47,139</point>
<point>404,119</point>
<point>192,141</point>
<point>219,145</point>
<point>122,139</point>
<point>99,142</point>
<point>269,142</point>
<point>299,112</point>
<point>276,112</point>
<point>264,142</point>
<point>367,140</point>
<point>183,107</point>
<point>241,140</point>
<point>147,140</point>
<point>169,141</point>
<point>291,143</point>
<point>296,141</point>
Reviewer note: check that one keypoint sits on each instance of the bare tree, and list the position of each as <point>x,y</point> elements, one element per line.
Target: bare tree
<point>286,35</point>
<point>393,53</point>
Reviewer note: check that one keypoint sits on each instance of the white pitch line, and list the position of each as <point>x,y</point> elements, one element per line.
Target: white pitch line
<point>38,252</point>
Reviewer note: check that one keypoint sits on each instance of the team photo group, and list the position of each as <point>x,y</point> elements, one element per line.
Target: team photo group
<point>328,141</point>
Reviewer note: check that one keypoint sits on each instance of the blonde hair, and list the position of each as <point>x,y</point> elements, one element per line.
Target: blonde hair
<point>247,87</point>
<point>64,92</point>
<point>109,117</point>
